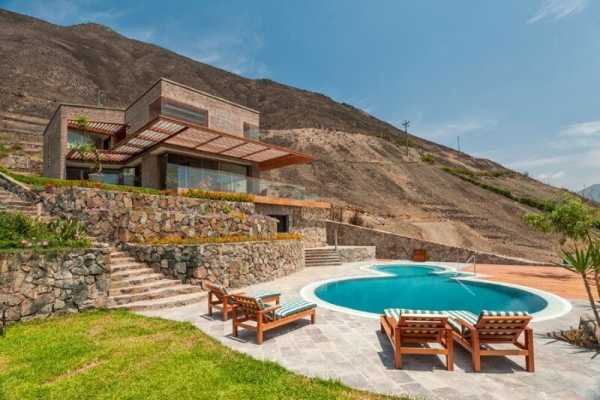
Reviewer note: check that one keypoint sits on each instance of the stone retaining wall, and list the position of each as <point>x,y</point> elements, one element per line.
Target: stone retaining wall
<point>393,246</point>
<point>356,253</point>
<point>124,217</point>
<point>231,264</point>
<point>42,283</point>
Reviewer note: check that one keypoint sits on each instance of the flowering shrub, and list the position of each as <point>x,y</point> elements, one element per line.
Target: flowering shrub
<point>223,196</point>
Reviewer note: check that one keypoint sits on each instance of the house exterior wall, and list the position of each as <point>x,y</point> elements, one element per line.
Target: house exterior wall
<point>56,144</point>
<point>223,115</point>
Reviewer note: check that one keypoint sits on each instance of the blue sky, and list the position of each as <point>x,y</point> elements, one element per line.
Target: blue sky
<point>517,80</point>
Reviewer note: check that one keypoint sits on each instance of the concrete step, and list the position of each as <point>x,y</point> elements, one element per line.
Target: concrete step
<point>126,266</point>
<point>156,294</point>
<point>131,274</point>
<point>117,254</point>
<point>167,302</point>
<point>327,264</point>
<point>136,280</point>
<point>144,287</point>
<point>121,259</point>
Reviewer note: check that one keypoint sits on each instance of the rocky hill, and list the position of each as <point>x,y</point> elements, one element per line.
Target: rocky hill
<point>430,192</point>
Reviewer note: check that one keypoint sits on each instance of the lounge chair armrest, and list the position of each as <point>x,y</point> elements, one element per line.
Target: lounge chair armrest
<point>465,324</point>
<point>269,309</point>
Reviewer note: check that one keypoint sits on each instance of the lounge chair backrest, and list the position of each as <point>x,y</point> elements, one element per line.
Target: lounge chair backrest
<point>502,325</point>
<point>218,291</point>
<point>422,325</point>
<point>247,305</point>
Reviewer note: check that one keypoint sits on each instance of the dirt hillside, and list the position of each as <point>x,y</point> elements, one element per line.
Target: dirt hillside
<point>362,161</point>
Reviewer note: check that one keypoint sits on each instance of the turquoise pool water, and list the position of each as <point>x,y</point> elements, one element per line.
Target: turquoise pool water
<point>419,287</point>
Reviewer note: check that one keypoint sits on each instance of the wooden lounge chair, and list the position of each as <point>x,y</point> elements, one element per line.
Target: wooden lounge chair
<point>263,317</point>
<point>474,332</point>
<point>418,327</point>
<point>218,297</point>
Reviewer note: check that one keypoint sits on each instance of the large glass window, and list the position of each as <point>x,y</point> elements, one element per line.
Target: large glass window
<point>76,138</point>
<point>177,110</point>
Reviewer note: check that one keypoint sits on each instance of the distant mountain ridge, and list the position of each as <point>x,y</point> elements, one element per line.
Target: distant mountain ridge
<point>592,192</point>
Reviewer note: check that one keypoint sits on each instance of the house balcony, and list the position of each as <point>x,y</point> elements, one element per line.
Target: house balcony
<point>185,177</point>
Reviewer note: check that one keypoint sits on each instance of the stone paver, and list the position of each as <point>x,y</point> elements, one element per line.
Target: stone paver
<point>351,349</point>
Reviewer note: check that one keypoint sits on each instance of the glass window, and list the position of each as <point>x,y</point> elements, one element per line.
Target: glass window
<point>77,138</point>
<point>183,112</point>
<point>251,131</point>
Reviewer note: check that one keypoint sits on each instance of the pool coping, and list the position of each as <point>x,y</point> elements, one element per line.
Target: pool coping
<point>556,306</point>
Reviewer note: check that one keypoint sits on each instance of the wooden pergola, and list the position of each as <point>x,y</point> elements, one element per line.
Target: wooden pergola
<point>185,135</point>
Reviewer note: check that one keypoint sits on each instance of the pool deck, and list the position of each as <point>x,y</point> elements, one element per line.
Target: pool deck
<point>351,349</point>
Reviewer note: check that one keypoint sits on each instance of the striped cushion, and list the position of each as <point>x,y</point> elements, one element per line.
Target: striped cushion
<point>487,313</point>
<point>261,294</point>
<point>293,307</point>
<point>396,312</point>
<point>464,315</point>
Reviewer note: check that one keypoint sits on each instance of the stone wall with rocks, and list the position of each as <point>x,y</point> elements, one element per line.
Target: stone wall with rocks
<point>124,217</point>
<point>231,264</point>
<point>394,246</point>
<point>356,253</point>
<point>308,221</point>
<point>41,283</point>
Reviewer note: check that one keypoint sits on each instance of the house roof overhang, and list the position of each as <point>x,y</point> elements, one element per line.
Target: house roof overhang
<point>169,131</point>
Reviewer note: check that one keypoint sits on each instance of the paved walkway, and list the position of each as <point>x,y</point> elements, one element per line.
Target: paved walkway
<point>350,348</point>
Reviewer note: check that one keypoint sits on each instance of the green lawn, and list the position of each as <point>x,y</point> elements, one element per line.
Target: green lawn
<point>118,355</point>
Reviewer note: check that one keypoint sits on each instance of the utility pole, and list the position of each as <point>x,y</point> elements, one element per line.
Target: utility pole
<point>458,143</point>
<point>406,124</point>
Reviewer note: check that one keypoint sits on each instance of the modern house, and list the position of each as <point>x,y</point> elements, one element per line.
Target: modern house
<point>171,137</point>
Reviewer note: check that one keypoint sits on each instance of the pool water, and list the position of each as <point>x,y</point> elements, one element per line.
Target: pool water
<point>420,287</point>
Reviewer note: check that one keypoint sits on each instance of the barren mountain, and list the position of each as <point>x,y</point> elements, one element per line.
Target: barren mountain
<point>430,192</point>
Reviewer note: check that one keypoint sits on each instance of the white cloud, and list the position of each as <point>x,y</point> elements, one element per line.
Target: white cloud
<point>583,129</point>
<point>539,162</point>
<point>555,10</point>
<point>66,12</point>
<point>461,127</point>
<point>233,51</point>
<point>552,176</point>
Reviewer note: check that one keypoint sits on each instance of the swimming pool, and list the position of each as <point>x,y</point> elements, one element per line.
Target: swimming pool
<point>429,287</point>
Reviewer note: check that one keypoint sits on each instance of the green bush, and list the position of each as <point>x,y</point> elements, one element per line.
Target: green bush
<point>470,176</point>
<point>427,158</point>
<point>223,196</point>
<point>19,231</point>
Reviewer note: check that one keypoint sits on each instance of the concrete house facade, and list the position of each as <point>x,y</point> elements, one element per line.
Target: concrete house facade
<point>171,137</point>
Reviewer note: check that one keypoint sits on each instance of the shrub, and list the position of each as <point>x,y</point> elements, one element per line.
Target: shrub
<point>223,196</point>
<point>20,231</point>
<point>224,239</point>
<point>427,158</point>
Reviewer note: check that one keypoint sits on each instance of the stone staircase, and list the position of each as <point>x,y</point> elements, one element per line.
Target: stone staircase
<point>321,257</point>
<point>136,287</point>
<point>12,203</point>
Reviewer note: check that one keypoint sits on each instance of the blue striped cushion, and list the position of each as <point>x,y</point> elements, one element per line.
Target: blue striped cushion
<point>293,307</point>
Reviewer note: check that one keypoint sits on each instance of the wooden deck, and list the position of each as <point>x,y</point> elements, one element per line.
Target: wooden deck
<point>552,279</point>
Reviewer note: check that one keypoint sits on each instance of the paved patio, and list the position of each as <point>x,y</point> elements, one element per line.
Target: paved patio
<point>351,349</point>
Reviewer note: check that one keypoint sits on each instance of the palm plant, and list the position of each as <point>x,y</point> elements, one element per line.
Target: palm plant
<point>581,261</point>
<point>595,260</point>
<point>88,148</point>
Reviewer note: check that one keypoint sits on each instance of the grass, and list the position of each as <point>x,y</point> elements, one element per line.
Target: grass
<point>118,355</point>
<point>471,177</point>
<point>44,182</point>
